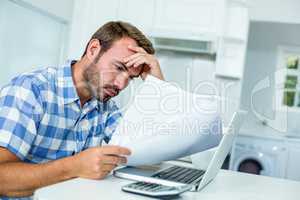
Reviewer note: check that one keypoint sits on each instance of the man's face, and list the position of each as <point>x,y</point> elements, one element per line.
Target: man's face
<point>108,76</point>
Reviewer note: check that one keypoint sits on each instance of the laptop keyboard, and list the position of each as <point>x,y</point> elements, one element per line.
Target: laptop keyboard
<point>180,174</point>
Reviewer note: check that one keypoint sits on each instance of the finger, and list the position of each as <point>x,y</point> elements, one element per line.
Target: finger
<point>114,150</point>
<point>136,49</point>
<point>103,174</point>
<point>140,62</point>
<point>146,70</point>
<point>132,62</point>
<point>116,160</point>
<point>129,58</point>
<point>108,167</point>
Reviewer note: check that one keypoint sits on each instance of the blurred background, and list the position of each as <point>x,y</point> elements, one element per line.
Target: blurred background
<point>246,51</point>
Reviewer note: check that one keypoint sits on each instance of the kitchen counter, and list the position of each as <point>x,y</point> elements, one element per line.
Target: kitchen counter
<point>228,185</point>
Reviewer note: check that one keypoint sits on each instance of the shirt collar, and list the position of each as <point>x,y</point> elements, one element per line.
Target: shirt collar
<point>66,88</point>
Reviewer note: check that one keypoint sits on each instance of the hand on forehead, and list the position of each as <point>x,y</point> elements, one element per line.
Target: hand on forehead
<point>134,67</point>
<point>138,52</point>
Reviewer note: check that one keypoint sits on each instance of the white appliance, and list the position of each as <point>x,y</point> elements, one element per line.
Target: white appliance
<point>259,155</point>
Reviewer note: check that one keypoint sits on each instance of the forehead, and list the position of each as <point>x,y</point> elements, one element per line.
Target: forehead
<point>119,51</point>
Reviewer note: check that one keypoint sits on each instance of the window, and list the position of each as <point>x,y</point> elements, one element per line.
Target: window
<point>289,68</point>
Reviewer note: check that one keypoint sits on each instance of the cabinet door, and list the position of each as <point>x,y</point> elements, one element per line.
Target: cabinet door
<point>293,164</point>
<point>138,13</point>
<point>233,43</point>
<point>88,16</point>
<point>237,22</point>
<point>193,16</point>
<point>230,59</point>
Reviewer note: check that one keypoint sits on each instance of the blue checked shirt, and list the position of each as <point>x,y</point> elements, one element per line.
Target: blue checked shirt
<point>41,118</point>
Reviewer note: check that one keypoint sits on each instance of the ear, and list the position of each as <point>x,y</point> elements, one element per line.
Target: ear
<point>93,49</point>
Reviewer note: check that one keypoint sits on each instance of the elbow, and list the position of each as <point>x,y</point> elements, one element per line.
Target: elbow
<point>12,193</point>
<point>16,194</point>
<point>2,189</point>
<point>3,193</point>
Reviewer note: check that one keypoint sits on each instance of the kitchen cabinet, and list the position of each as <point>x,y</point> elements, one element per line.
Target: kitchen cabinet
<point>196,19</point>
<point>88,16</point>
<point>293,161</point>
<point>223,22</point>
<point>137,12</point>
<point>230,59</point>
<point>189,17</point>
<point>237,21</point>
<point>233,42</point>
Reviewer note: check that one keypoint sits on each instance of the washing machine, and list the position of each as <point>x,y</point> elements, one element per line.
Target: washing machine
<point>259,155</point>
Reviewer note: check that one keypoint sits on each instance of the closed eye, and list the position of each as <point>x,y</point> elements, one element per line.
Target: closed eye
<point>119,65</point>
<point>120,68</point>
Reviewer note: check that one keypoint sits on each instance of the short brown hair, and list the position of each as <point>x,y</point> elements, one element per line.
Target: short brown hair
<point>116,30</point>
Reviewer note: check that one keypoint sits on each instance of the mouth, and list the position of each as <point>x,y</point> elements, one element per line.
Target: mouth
<point>111,92</point>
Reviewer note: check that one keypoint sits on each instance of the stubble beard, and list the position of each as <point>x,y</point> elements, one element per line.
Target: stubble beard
<point>92,82</point>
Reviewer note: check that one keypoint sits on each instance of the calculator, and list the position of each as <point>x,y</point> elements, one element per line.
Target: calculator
<point>155,189</point>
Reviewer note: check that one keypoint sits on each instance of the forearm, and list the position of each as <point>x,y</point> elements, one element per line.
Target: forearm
<point>18,178</point>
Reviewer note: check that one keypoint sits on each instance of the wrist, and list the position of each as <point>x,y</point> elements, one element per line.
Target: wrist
<point>69,166</point>
<point>153,72</point>
<point>158,74</point>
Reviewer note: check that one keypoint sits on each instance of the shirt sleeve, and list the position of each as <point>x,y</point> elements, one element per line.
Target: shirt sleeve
<point>112,122</point>
<point>19,113</point>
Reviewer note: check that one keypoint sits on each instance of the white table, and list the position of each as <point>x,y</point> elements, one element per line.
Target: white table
<point>228,185</point>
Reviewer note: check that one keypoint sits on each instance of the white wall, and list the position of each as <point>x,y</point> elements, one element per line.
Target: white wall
<point>29,40</point>
<point>261,62</point>
<point>286,11</point>
<point>60,8</point>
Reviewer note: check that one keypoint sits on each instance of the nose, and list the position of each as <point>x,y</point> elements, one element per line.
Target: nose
<point>122,81</point>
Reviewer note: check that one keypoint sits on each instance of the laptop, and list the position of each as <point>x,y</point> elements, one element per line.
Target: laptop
<point>170,174</point>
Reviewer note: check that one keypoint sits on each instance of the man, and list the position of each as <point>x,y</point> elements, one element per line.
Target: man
<point>53,121</point>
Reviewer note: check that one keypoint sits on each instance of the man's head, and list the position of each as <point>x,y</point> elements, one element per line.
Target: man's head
<point>105,74</point>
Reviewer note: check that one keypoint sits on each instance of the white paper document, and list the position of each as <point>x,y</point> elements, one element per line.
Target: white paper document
<point>164,122</point>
